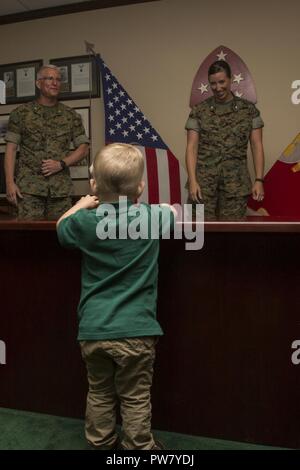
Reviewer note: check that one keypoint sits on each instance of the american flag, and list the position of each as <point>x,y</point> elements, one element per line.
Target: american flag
<point>125,122</point>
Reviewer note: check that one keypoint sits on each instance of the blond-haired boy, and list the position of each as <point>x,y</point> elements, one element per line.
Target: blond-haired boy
<point>118,329</point>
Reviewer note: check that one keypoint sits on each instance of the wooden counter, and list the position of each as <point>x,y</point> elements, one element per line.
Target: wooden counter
<point>230,313</point>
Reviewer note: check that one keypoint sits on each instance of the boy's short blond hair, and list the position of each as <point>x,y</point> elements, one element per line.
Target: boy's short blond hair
<point>118,170</point>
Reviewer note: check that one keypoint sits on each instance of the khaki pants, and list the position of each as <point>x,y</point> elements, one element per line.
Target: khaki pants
<point>119,372</point>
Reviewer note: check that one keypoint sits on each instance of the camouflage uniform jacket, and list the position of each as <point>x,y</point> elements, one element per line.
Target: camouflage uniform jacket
<point>44,132</point>
<point>224,132</point>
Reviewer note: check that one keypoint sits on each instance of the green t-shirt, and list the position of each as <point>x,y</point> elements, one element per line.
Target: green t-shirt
<point>119,276</point>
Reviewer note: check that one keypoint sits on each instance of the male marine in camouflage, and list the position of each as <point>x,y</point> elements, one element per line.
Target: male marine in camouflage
<point>219,129</point>
<point>44,130</point>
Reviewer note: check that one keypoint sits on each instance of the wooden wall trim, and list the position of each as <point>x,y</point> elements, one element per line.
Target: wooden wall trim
<point>67,9</point>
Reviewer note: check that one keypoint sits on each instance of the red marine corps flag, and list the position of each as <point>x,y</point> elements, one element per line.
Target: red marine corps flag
<point>242,81</point>
<point>282,185</point>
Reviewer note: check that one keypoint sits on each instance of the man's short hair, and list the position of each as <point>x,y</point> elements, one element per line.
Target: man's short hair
<point>40,71</point>
<point>118,169</point>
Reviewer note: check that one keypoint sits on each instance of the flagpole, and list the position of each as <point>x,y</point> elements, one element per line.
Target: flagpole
<point>89,47</point>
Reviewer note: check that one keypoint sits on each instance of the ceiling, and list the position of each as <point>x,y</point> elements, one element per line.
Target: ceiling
<point>12,11</point>
<point>8,7</point>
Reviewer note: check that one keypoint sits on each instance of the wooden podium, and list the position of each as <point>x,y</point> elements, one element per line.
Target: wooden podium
<point>230,313</point>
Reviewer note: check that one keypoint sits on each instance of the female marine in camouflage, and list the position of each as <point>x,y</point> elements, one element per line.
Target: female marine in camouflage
<point>219,130</point>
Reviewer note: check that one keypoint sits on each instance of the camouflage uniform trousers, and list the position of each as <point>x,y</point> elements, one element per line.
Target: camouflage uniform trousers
<point>225,189</point>
<point>119,371</point>
<point>42,208</point>
<point>227,209</point>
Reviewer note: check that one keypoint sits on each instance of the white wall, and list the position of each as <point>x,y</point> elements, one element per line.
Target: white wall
<point>155,49</point>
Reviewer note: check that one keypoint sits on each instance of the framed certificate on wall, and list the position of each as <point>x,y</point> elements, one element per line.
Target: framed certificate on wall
<point>19,79</point>
<point>80,171</point>
<point>80,77</point>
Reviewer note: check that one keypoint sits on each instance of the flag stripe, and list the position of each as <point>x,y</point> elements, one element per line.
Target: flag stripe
<point>184,191</point>
<point>174,176</point>
<point>163,175</point>
<point>144,197</point>
<point>152,171</point>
